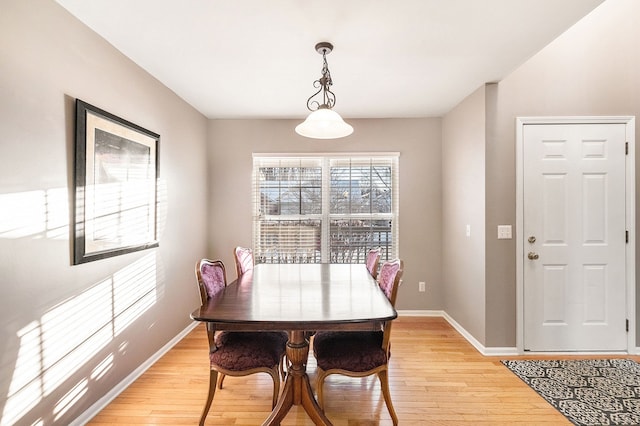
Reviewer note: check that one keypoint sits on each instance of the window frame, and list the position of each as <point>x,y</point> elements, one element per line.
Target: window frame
<point>324,161</point>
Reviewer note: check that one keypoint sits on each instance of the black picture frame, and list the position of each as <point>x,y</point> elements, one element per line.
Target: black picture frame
<point>115,185</point>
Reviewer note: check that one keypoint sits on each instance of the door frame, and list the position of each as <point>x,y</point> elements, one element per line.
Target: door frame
<point>630,215</point>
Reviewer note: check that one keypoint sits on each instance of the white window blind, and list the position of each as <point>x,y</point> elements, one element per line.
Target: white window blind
<point>312,209</point>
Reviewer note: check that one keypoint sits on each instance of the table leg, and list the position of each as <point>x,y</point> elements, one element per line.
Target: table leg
<point>297,389</point>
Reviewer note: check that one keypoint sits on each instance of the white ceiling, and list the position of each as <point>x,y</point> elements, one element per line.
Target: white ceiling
<point>256,58</point>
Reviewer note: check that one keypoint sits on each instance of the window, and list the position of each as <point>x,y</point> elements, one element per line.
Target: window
<point>313,209</point>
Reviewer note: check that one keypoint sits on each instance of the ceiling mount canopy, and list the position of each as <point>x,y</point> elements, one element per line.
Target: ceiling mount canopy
<point>323,122</point>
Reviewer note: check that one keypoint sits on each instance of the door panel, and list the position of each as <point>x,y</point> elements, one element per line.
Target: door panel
<point>574,208</point>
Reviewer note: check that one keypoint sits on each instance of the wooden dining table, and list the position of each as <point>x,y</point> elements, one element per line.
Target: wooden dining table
<point>298,298</point>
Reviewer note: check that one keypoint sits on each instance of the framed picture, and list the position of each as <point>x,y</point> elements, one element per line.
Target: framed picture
<point>116,173</point>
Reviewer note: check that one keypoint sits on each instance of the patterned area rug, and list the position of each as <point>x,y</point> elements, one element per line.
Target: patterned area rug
<point>587,392</point>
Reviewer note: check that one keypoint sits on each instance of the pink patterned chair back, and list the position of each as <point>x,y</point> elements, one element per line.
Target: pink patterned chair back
<point>212,278</point>
<point>244,259</point>
<point>373,260</point>
<point>389,278</point>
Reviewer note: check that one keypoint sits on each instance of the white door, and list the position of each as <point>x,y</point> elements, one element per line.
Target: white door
<point>574,238</point>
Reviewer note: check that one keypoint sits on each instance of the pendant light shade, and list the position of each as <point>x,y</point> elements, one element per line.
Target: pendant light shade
<point>323,122</point>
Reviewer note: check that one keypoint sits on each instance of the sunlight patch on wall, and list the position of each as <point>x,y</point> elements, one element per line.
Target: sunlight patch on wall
<point>45,213</point>
<point>131,301</point>
<point>70,399</point>
<point>26,386</point>
<point>68,336</point>
<point>102,368</point>
<point>37,214</point>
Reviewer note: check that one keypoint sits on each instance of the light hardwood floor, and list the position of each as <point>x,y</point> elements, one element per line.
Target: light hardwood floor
<point>436,378</point>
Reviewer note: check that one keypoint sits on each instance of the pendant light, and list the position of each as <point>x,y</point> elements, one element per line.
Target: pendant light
<point>323,122</point>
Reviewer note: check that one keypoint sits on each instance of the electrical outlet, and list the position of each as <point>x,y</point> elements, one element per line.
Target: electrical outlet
<point>422,286</point>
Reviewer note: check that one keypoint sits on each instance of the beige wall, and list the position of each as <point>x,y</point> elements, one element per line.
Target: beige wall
<point>87,327</point>
<point>232,143</point>
<point>592,69</point>
<point>463,204</point>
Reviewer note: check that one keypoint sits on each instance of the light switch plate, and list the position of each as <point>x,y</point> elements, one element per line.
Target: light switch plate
<point>504,232</point>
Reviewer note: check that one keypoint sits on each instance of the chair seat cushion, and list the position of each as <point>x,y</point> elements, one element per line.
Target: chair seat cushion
<point>355,351</point>
<point>239,351</point>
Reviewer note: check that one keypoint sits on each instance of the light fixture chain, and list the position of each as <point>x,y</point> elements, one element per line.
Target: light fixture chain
<point>328,96</point>
<point>323,84</point>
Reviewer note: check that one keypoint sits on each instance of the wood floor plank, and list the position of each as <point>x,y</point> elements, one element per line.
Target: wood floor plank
<point>436,378</point>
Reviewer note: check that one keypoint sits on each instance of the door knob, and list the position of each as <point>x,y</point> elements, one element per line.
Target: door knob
<point>531,239</point>
<point>532,255</point>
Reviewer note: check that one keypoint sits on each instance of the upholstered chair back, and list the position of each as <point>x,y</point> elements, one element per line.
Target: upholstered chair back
<point>244,259</point>
<point>389,278</point>
<point>373,261</point>
<point>212,278</point>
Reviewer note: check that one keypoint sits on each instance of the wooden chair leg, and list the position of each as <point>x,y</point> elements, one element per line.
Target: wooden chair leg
<point>221,380</point>
<point>213,378</point>
<point>384,384</point>
<point>275,375</point>
<point>320,376</point>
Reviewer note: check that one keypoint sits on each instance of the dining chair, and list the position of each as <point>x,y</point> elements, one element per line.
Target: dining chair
<point>244,259</point>
<point>373,261</point>
<point>236,353</point>
<point>360,353</point>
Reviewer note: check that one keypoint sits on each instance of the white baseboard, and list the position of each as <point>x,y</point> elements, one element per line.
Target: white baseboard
<point>494,351</point>
<point>420,313</point>
<point>99,405</point>
<point>491,351</point>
